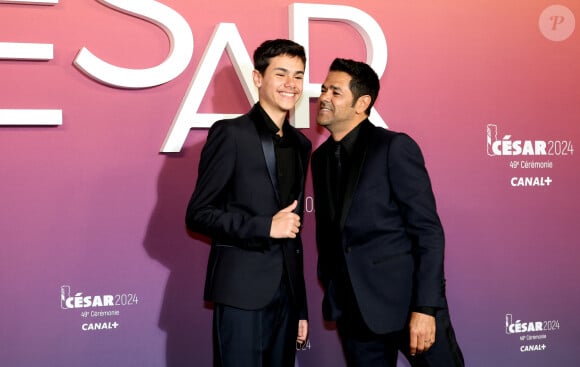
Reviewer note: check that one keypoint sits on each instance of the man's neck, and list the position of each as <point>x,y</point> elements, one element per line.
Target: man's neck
<point>277,116</point>
<point>338,135</point>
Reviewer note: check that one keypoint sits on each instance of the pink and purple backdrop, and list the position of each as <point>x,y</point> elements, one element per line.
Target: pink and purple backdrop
<point>91,207</point>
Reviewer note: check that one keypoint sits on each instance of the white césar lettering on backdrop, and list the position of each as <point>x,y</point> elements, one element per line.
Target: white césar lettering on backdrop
<point>180,37</point>
<point>225,37</point>
<point>29,52</point>
<point>366,26</point>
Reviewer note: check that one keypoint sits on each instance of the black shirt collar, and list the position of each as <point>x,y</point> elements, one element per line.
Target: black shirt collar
<point>349,141</point>
<point>269,123</point>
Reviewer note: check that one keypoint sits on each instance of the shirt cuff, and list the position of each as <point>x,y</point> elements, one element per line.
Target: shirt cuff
<point>426,310</point>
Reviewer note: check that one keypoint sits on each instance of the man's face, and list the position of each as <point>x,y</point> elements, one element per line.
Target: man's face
<point>280,86</point>
<point>335,104</point>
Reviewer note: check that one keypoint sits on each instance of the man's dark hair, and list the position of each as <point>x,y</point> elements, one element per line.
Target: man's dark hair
<point>272,48</point>
<point>364,79</point>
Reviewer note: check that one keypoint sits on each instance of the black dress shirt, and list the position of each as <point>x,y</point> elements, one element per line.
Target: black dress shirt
<point>286,150</point>
<point>343,152</point>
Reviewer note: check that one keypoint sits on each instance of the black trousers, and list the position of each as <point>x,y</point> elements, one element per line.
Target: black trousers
<point>363,348</point>
<point>256,338</point>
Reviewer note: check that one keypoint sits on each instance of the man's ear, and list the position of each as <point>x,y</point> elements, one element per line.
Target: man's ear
<point>362,103</point>
<point>257,78</point>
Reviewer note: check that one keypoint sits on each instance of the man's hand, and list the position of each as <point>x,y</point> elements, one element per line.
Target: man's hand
<point>285,223</point>
<point>422,332</point>
<point>302,332</point>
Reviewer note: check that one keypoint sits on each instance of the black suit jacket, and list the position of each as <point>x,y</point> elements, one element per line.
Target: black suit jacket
<point>389,230</point>
<point>235,198</point>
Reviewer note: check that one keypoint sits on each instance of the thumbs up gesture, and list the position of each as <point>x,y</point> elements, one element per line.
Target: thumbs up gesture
<point>285,223</point>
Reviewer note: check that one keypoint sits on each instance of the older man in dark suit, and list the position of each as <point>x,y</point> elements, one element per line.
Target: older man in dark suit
<point>249,199</point>
<point>379,238</point>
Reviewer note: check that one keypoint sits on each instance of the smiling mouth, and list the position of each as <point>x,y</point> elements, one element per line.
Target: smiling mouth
<point>288,94</point>
<point>324,107</point>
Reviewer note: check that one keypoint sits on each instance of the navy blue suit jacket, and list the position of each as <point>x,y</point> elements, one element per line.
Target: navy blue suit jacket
<point>389,230</point>
<point>234,200</point>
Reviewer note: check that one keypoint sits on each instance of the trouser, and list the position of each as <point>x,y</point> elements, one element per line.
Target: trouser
<point>363,348</point>
<point>256,338</point>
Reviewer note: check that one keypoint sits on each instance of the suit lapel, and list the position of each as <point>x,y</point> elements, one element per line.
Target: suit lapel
<point>267,148</point>
<point>270,157</point>
<point>358,160</point>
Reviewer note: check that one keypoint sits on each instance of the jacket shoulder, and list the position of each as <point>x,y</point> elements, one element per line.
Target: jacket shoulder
<point>232,127</point>
<point>233,123</point>
<point>386,136</point>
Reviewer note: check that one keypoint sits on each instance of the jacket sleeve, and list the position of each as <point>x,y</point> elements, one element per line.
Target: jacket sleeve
<point>412,189</point>
<point>208,211</point>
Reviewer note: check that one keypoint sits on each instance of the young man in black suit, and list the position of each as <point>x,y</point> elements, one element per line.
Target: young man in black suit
<point>249,199</point>
<point>380,240</point>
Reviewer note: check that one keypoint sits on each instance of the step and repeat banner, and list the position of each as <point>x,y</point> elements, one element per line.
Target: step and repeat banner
<point>104,109</point>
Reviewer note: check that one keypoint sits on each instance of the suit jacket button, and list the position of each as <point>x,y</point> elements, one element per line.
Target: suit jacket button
<point>347,250</point>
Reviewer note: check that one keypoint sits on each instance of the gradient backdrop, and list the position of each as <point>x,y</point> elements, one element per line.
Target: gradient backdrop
<point>97,268</point>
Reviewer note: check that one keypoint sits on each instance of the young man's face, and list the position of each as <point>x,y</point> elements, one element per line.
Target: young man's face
<point>280,86</point>
<point>335,104</point>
